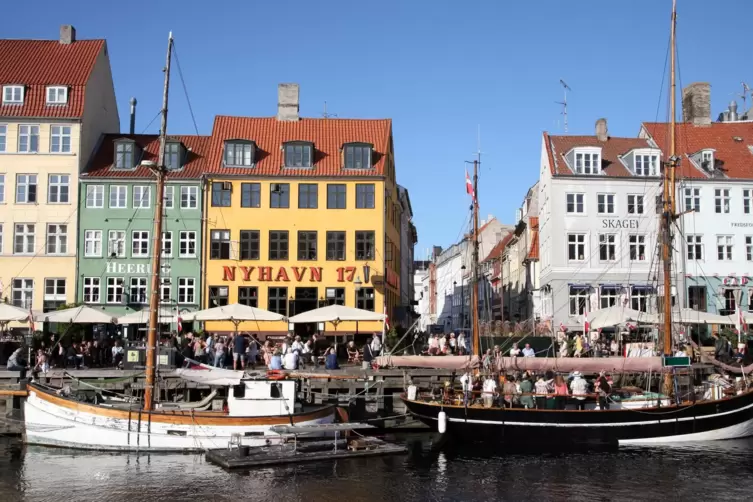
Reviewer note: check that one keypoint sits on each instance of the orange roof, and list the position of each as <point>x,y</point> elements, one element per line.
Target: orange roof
<point>497,250</point>
<point>327,135</point>
<point>101,165</point>
<point>35,64</point>
<point>611,149</point>
<point>732,142</point>
<point>533,253</point>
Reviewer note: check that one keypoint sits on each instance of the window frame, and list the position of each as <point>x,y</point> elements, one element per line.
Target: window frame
<point>236,143</point>
<point>606,204</point>
<point>337,194</point>
<point>722,200</point>
<point>307,192</point>
<point>693,195</point>
<point>58,132</point>
<point>167,244</point>
<point>748,254</point>
<point>91,236</point>
<point>637,242</point>
<point>581,296</point>
<point>696,245</point>
<point>26,288</point>
<point>184,288</point>
<point>608,246</point>
<point>279,197</point>
<point>62,188</point>
<point>55,296</point>
<point>168,201</point>
<point>336,243</point>
<point>88,290</point>
<point>93,194</point>
<point>305,241</point>
<point>216,297</point>
<point>724,247</point>
<point>219,242</point>
<point>14,87</point>
<point>141,286</point>
<point>304,146</point>
<point>575,203</point>
<point>178,155</point>
<point>143,202</point>
<point>646,171</point>
<point>362,240</point>
<point>279,245</point>
<point>117,190</point>
<point>246,298</point>
<point>138,243</point>
<point>57,90</point>
<point>27,184</point>
<point>3,137</point>
<point>280,297</point>
<point>219,196</point>
<point>747,200</point>
<point>60,239</point>
<point>637,203</point>
<point>365,195</point>
<point>117,241</point>
<point>32,144</point>
<point>350,149</point>
<point>576,242</point>
<point>117,284</point>
<point>594,161</point>
<point>29,238</point>
<point>247,239</point>
<point>188,189</point>
<point>185,237</point>
<point>363,300</point>
<point>119,158</point>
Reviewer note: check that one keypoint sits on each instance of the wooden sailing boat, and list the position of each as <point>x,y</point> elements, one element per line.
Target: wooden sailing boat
<point>705,415</point>
<point>253,405</point>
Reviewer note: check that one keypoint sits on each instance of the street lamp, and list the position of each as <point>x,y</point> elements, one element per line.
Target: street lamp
<point>357,283</point>
<point>366,273</point>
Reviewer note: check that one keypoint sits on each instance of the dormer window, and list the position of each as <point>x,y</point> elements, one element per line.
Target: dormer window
<point>298,154</point>
<point>588,161</point>
<point>358,156</point>
<point>239,153</point>
<point>125,155</point>
<point>57,95</point>
<point>646,164</point>
<point>13,94</point>
<point>707,159</point>
<point>174,155</point>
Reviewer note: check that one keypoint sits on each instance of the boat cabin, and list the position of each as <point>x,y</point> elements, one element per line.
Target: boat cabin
<point>261,398</point>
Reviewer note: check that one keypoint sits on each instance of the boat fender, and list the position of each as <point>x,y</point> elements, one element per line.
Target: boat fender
<point>275,375</point>
<point>442,419</point>
<point>412,390</point>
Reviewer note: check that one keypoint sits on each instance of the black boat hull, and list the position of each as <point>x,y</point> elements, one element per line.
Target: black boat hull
<point>703,421</point>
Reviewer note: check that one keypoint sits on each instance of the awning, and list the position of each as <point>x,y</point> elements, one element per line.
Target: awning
<point>211,376</point>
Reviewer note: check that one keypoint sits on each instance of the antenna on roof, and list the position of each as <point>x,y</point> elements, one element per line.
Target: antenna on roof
<point>744,95</point>
<point>327,115</point>
<point>564,101</point>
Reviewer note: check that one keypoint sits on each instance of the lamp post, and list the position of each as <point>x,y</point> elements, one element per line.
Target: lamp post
<point>462,298</point>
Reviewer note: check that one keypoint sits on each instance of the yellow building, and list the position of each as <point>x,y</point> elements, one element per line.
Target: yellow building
<point>301,213</point>
<point>57,100</point>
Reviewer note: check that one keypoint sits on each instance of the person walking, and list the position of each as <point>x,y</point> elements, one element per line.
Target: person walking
<point>368,355</point>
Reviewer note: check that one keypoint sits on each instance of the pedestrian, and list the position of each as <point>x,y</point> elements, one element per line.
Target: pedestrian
<point>239,351</point>
<point>490,391</point>
<point>466,384</point>
<point>579,389</point>
<point>526,391</point>
<point>368,355</point>
<point>219,353</point>
<point>603,389</point>
<point>434,345</point>
<point>376,345</point>
<point>560,392</point>
<point>542,389</point>
<point>510,390</point>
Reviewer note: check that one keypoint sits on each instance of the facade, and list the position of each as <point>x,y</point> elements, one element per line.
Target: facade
<point>421,294</point>
<point>598,224</point>
<point>301,213</point>
<point>57,100</point>
<point>408,240</point>
<point>117,207</point>
<point>520,262</point>
<point>448,285</point>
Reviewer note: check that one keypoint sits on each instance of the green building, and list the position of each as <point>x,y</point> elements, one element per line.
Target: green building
<point>116,222</point>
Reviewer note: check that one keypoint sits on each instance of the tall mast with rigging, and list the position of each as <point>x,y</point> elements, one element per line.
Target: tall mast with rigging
<point>154,300</point>
<point>474,289</point>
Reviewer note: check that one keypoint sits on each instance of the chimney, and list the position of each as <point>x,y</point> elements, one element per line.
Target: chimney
<point>67,34</point>
<point>287,102</point>
<point>436,251</point>
<point>602,134</point>
<point>696,104</point>
<point>132,128</point>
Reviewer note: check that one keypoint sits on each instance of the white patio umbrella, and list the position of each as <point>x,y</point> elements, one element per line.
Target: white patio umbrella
<point>691,316</point>
<point>235,312</point>
<point>616,315</point>
<point>336,314</point>
<point>77,315</point>
<point>166,315</point>
<point>10,313</point>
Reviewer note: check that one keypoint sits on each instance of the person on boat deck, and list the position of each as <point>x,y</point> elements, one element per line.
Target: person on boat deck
<point>434,345</point>
<point>561,392</point>
<point>526,389</point>
<point>266,352</point>
<point>443,344</point>
<point>466,384</point>
<point>252,350</point>
<point>614,347</point>
<point>510,390</point>
<point>563,348</point>
<point>275,361</point>
<point>352,351</point>
<point>486,361</point>
<point>291,360</point>
<point>496,354</point>
<point>462,345</point>
<point>117,354</point>
<point>579,388</point>
<point>490,391</point>
<point>514,351</point>
<point>330,359</point>
<point>542,389</point>
<point>528,351</point>
<point>603,389</point>
<point>453,344</point>
<point>578,346</point>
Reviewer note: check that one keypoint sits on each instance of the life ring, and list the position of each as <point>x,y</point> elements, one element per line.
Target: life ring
<point>275,375</point>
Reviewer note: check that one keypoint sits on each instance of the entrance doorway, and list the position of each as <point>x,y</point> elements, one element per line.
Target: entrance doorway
<point>305,300</point>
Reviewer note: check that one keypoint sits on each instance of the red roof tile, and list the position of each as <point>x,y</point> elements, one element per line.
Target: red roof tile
<point>731,140</point>
<point>328,136</point>
<point>35,64</point>
<point>533,253</point>
<point>611,150</point>
<point>194,166</point>
<point>497,250</point>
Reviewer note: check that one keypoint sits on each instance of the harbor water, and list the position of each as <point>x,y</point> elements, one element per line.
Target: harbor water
<point>704,471</point>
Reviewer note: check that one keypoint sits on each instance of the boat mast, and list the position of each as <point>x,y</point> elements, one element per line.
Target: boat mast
<point>669,196</point>
<point>154,301</point>
<point>474,290</point>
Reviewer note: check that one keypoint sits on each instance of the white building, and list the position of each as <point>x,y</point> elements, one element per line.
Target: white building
<point>408,239</point>
<point>421,294</point>
<point>449,277</point>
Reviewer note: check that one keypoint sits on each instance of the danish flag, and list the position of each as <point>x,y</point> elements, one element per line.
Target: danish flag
<point>740,321</point>
<point>586,324</point>
<point>469,186</point>
<point>386,319</point>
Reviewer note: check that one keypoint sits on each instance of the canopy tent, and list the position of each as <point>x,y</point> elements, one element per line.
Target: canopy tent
<point>77,315</point>
<point>690,316</point>
<point>336,314</point>
<point>235,312</point>
<point>10,313</point>
<point>142,317</point>
<point>616,315</point>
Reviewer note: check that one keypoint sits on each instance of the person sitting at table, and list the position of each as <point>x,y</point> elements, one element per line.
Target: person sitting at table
<point>353,355</point>
<point>330,359</point>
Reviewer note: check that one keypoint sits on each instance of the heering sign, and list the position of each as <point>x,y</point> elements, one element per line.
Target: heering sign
<point>618,223</point>
<point>127,268</point>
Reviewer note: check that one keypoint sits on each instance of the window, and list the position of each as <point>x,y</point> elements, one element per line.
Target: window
<point>365,299</point>
<point>140,244</point>
<point>95,196</point>
<point>576,247</point>
<point>365,196</point>
<point>186,289</point>
<point>116,244</point>
<point>250,195</point>
<point>307,245</point>
<point>173,156</point>
<point>707,159</point>
<point>729,303</point>
<point>167,244</point>
<point>335,296</point>
<point>587,163</point>
<point>57,95</point>
<point>308,196</point>
<point>168,198</point>
<point>2,188</point>
<point>336,246</point>
<point>57,238</point>
<point>721,200</point>
<point>724,247</point>
<point>697,298</point>
<point>124,155</point>
<point>187,244</point>
<point>248,296</point>
<point>189,197</point>
<point>693,199</point>
<point>607,247</point>
<point>279,195</point>
<point>336,195</point>
<point>249,244</point>
<point>1,238</point>
<point>3,137</point>
<point>646,165</point>
<point>694,247</point>
<point>142,197</point>
<point>239,153</point>
<point>578,298</point>
<point>93,243</point>
<point>365,244</point>
<point>575,203</point>
<point>218,296</point>
<point>278,244</point>
<point>298,154</point>
<point>358,156</point>
<point>747,197</point>
<point>748,250</point>
<point>605,203</point>
<point>60,139</point>
<point>138,290</point>
<point>23,293</point>
<point>609,296</point>
<point>635,204</point>
<point>91,290</point>
<point>637,245</point>
<point>57,189</point>
<point>13,94</point>
<point>114,290</point>
<point>165,290</point>
<point>54,293</point>
<point>221,193</point>
<point>118,196</point>
<point>26,188</point>
<point>277,300</point>
<point>219,248</point>
<point>639,298</point>
<point>25,239</point>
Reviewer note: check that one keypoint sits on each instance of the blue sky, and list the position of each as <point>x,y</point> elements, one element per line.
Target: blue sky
<point>440,69</point>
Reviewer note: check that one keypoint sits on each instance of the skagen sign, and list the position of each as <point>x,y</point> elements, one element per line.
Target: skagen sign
<point>618,223</point>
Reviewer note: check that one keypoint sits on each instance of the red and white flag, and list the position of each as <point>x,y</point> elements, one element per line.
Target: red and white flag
<point>180,324</point>
<point>469,186</point>
<point>31,320</point>
<point>386,319</point>
<point>740,324</point>
<point>586,324</point>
